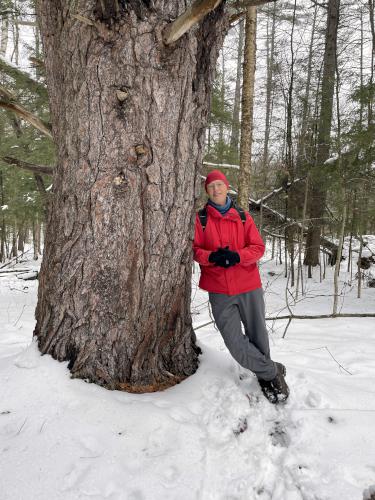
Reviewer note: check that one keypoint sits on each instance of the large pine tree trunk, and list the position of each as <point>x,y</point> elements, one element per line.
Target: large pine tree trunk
<point>128,118</point>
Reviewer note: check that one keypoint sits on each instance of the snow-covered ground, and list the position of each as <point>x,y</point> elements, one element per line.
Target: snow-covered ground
<point>214,436</point>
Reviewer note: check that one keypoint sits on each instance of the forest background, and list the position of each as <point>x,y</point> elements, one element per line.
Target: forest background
<point>290,43</point>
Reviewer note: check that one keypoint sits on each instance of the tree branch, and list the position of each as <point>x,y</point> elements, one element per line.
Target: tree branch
<point>235,17</point>
<point>324,5</point>
<point>197,11</point>
<point>8,102</point>
<point>297,316</point>
<point>323,316</point>
<point>244,4</point>
<point>37,63</point>
<point>193,14</point>
<point>23,77</point>
<point>38,169</point>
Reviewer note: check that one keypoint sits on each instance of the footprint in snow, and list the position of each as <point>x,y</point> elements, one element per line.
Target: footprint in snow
<point>26,360</point>
<point>162,404</point>
<point>279,435</point>
<point>75,475</point>
<point>313,399</point>
<point>90,446</point>
<point>135,495</point>
<point>180,414</point>
<point>170,476</point>
<point>159,442</point>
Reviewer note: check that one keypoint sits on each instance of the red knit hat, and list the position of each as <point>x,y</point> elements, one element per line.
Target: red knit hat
<point>215,175</point>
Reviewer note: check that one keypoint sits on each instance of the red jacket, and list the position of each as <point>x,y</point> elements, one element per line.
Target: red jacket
<point>244,238</point>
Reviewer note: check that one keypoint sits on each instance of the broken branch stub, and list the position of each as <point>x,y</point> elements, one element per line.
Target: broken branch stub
<point>192,15</point>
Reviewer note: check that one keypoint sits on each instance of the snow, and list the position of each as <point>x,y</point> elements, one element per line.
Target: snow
<point>212,437</point>
<point>331,161</point>
<point>221,165</point>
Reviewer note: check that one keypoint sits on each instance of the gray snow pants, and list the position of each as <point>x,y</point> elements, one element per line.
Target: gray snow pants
<point>252,350</point>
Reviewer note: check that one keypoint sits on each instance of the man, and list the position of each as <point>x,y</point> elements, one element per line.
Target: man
<point>227,246</point>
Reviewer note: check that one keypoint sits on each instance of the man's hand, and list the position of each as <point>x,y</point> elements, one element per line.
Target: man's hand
<point>223,257</point>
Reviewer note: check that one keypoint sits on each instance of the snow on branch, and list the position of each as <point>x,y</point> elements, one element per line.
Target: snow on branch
<point>220,165</point>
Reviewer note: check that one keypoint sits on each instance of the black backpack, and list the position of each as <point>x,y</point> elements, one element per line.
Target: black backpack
<point>203,214</point>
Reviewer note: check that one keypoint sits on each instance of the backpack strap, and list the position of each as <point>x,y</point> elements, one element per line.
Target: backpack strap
<point>240,211</point>
<point>203,217</point>
<point>202,213</point>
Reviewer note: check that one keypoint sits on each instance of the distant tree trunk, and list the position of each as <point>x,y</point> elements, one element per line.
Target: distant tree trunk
<point>16,38</point>
<point>38,50</point>
<point>39,236</point>
<point>222,104</point>
<point>372,25</point>
<point>301,147</point>
<point>4,35</point>
<point>128,118</point>
<point>235,133</point>
<point>318,190</point>
<point>22,230</point>
<point>359,269</point>
<point>270,44</point>
<point>14,242</point>
<point>343,195</point>
<point>247,107</point>
<point>36,237</point>
<point>3,230</point>
<point>291,200</point>
<point>361,71</point>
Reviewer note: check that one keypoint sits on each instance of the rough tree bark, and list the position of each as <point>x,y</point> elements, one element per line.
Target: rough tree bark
<point>220,153</point>
<point>128,116</point>
<point>235,132</point>
<point>247,107</point>
<point>317,200</point>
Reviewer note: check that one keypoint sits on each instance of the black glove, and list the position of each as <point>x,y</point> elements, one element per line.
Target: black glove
<point>223,257</point>
<point>218,257</point>
<point>232,257</point>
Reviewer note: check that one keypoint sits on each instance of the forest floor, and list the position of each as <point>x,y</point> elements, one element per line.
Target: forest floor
<point>212,437</point>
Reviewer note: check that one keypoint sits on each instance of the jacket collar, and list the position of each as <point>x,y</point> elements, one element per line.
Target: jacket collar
<point>231,214</point>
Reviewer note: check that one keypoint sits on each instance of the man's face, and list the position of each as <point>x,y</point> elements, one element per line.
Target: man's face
<point>217,192</point>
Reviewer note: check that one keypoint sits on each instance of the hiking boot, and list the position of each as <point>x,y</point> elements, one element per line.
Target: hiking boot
<point>279,384</point>
<point>276,390</point>
<point>268,390</point>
